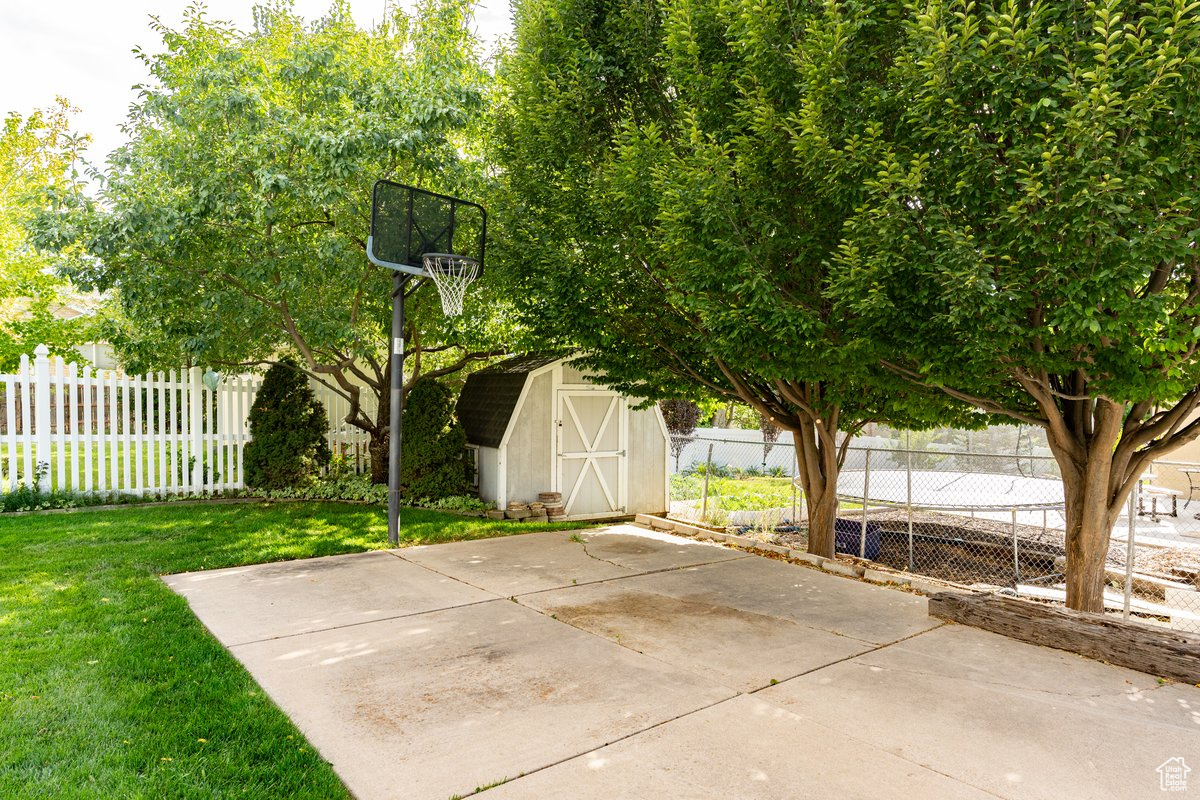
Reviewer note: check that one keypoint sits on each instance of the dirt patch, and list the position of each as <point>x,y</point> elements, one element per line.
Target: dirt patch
<point>371,713</point>
<point>603,547</point>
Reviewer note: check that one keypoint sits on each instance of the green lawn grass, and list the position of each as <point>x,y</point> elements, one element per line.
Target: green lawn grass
<point>111,688</point>
<point>749,493</point>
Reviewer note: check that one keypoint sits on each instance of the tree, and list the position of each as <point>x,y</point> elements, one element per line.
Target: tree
<point>232,226</point>
<point>432,463</point>
<point>1028,244</point>
<point>287,429</point>
<point>678,215</point>
<point>38,154</point>
<point>681,417</point>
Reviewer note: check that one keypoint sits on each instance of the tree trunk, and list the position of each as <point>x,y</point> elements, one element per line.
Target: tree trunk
<point>817,457</point>
<point>377,449</point>
<point>821,502</point>
<point>1089,525</point>
<point>1092,504</point>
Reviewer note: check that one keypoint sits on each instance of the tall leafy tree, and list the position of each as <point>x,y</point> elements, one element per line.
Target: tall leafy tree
<point>38,157</point>
<point>232,226</point>
<point>1028,244</point>
<point>677,214</point>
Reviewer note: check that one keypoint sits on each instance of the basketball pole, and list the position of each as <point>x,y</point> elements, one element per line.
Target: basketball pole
<point>395,406</point>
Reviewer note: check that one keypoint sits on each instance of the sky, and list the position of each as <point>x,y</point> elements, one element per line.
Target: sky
<point>82,50</point>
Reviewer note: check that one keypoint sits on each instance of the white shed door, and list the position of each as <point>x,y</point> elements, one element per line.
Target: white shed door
<point>591,451</point>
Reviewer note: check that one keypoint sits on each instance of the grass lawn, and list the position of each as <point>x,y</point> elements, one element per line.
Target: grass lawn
<point>110,688</point>
<point>751,493</point>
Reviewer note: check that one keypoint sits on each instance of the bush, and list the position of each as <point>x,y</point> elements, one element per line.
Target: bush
<point>287,429</point>
<point>341,483</point>
<point>433,446</point>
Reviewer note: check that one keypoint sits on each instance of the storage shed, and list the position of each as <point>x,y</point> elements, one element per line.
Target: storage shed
<point>538,424</point>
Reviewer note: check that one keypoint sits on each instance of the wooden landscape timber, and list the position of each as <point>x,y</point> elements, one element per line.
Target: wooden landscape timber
<point>1158,651</point>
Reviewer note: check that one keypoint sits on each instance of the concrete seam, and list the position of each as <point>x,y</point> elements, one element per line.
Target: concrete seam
<point>866,652</point>
<point>565,759</point>
<point>367,622</point>
<point>633,575</point>
<point>444,575</point>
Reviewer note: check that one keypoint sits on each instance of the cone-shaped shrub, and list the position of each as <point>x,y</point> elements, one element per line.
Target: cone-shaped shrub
<point>287,426</point>
<point>434,444</point>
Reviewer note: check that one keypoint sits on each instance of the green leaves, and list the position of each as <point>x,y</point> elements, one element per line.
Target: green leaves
<point>232,226</point>
<point>37,162</point>
<point>1052,210</point>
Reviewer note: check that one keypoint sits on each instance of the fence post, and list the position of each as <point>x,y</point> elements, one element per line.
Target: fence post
<point>704,496</point>
<point>908,505</point>
<point>41,411</point>
<point>795,475</point>
<point>862,541</point>
<point>1016,554</point>
<point>1129,550</point>
<point>196,432</point>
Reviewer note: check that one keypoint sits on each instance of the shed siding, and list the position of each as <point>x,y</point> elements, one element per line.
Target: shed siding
<point>647,457</point>
<point>489,474</point>
<point>528,459</point>
<point>573,375</point>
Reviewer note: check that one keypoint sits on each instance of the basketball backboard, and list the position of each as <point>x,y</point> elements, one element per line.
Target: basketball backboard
<point>407,223</point>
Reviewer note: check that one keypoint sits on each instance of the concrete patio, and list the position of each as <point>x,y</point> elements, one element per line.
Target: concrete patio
<point>625,663</point>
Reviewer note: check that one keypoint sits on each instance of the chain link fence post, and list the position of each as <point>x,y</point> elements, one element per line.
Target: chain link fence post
<point>795,475</point>
<point>908,505</point>
<point>862,541</point>
<point>1130,544</point>
<point>707,475</point>
<point>1016,554</point>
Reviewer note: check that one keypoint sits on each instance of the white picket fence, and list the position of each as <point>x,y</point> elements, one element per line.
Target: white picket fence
<point>89,431</point>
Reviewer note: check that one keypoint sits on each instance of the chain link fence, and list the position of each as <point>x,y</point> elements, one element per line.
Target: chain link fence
<point>987,521</point>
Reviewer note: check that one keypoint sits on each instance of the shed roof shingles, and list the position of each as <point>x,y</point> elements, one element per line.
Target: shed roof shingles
<point>490,396</point>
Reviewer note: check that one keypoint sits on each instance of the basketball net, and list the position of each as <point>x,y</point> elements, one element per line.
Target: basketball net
<point>451,275</point>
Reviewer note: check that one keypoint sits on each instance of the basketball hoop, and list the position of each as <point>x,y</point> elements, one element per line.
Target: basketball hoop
<point>451,274</point>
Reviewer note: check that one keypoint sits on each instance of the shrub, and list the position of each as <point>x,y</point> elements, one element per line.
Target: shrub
<point>287,426</point>
<point>433,446</point>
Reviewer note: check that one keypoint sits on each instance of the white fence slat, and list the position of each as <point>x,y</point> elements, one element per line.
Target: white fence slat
<point>95,441</point>
<point>185,432</point>
<point>239,390</point>
<point>141,457</point>
<point>195,432</point>
<point>76,470</point>
<point>10,418</point>
<point>60,469</point>
<point>160,431</point>
<point>206,475</point>
<point>126,398</point>
<point>114,431</point>
<point>43,416</point>
<point>26,428</point>
<point>211,441</point>
<point>173,429</point>
<point>85,438</point>
<point>222,420</point>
